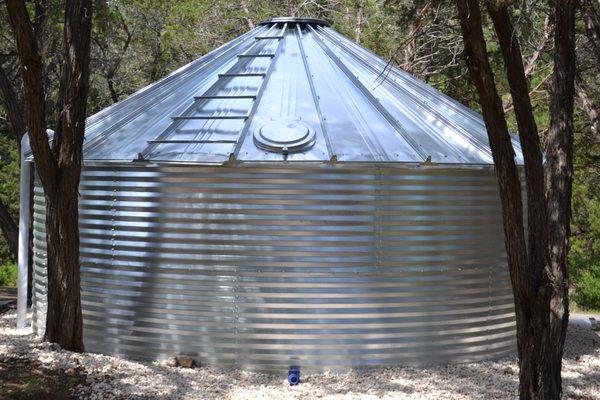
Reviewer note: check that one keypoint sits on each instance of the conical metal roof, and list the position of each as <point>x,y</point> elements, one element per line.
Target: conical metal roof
<point>292,89</point>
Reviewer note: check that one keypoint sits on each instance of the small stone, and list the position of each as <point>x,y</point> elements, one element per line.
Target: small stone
<point>508,371</point>
<point>54,347</point>
<point>171,362</point>
<point>185,362</point>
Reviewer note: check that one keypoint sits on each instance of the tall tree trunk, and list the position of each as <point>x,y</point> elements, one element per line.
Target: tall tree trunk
<point>538,268</point>
<point>59,167</point>
<point>559,178</point>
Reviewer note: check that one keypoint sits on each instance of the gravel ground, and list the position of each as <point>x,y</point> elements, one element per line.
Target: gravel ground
<point>115,378</point>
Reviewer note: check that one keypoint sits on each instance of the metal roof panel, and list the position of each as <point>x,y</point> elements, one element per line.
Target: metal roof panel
<point>293,72</point>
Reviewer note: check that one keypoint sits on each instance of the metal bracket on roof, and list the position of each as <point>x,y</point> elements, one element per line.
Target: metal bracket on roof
<point>140,158</point>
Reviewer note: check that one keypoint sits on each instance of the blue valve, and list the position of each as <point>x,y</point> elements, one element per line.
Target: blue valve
<point>294,376</point>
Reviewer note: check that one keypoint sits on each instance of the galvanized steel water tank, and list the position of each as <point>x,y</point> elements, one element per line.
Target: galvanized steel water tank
<point>290,199</point>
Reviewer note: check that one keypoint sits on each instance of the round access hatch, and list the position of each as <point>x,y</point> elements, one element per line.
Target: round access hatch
<point>284,137</point>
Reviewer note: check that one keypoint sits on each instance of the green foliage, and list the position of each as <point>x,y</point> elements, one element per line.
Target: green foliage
<point>8,274</point>
<point>584,255</point>
<point>587,290</point>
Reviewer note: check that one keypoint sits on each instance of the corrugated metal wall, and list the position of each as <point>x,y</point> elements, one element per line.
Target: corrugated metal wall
<point>267,266</point>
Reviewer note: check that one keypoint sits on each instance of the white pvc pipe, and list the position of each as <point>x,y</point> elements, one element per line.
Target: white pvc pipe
<point>24,218</point>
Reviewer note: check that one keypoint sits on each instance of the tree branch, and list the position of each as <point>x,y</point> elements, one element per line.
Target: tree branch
<point>530,142</point>
<point>588,106</point>
<point>31,71</point>
<point>10,231</point>
<point>12,108</point>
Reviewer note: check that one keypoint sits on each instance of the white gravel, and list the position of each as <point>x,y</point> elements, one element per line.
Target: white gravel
<point>116,378</point>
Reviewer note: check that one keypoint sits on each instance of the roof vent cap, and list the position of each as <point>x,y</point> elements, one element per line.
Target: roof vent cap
<point>284,136</point>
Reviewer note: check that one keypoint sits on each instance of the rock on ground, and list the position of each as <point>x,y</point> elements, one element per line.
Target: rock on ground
<point>115,378</point>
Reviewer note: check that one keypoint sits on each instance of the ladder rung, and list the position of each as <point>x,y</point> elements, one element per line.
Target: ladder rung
<point>211,117</point>
<point>225,97</point>
<point>270,55</point>
<point>261,74</point>
<point>192,141</point>
<point>268,37</point>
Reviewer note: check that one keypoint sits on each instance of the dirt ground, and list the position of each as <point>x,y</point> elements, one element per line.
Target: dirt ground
<point>33,370</point>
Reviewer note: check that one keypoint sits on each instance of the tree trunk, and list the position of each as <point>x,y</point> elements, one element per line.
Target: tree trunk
<point>63,319</point>
<point>10,230</point>
<point>538,268</point>
<point>559,178</point>
<point>59,167</point>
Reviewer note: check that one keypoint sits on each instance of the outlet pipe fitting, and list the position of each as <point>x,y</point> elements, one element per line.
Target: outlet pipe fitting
<point>294,376</point>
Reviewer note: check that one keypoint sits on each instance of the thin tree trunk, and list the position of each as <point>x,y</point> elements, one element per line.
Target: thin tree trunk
<point>360,16</point>
<point>114,96</point>
<point>10,230</point>
<point>591,20</point>
<point>588,106</point>
<point>10,101</point>
<point>410,47</point>
<point>530,142</point>
<point>247,18</point>
<point>502,151</point>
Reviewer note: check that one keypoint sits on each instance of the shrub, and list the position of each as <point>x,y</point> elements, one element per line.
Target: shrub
<point>8,274</point>
<point>587,288</point>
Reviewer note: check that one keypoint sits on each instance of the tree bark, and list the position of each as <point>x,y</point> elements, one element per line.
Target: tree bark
<point>59,167</point>
<point>559,178</point>
<point>528,133</point>
<point>538,268</point>
<point>360,16</point>
<point>588,106</point>
<point>10,230</point>
<point>12,108</point>
<point>591,20</point>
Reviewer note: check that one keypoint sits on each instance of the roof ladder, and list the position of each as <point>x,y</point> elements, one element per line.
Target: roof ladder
<point>244,132</point>
<point>169,135</point>
<point>268,55</point>
<point>242,74</point>
<point>268,37</point>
